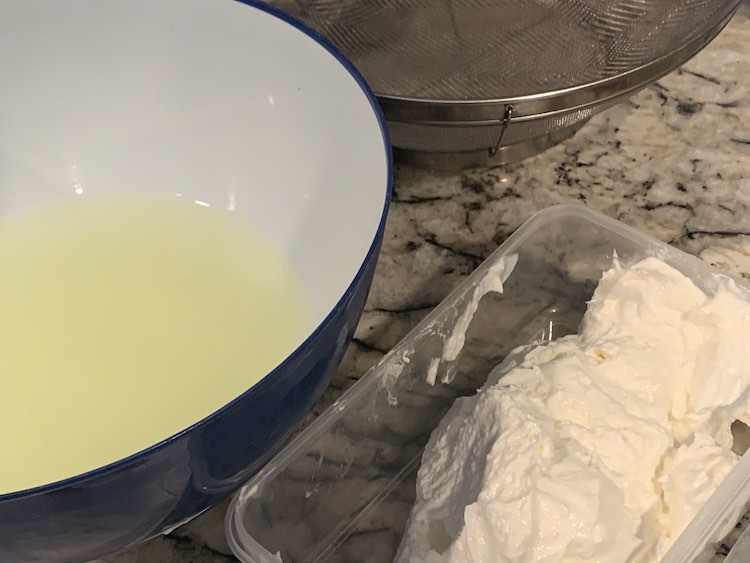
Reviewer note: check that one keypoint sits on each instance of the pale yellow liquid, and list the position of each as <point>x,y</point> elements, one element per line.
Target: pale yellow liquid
<point>124,320</point>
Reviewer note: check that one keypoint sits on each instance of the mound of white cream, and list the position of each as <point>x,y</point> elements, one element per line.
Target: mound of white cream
<point>599,445</point>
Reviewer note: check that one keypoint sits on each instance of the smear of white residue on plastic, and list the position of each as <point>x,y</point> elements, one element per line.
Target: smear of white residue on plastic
<point>432,371</point>
<point>493,281</point>
<point>250,492</point>
<point>392,371</point>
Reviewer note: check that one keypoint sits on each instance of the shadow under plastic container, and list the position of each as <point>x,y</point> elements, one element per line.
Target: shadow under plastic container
<point>342,491</point>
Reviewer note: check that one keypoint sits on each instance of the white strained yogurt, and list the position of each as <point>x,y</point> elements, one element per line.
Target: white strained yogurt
<point>598,446</point>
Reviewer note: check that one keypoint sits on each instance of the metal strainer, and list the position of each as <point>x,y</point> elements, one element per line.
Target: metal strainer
<point>498,80</point>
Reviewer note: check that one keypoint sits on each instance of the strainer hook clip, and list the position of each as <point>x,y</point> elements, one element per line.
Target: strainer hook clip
<point>506,121</point>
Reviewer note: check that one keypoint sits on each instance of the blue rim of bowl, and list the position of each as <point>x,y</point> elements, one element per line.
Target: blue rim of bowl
<point>367,91</point>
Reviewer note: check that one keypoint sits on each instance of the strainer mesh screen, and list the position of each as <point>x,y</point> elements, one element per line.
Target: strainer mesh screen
<point>461,50</point>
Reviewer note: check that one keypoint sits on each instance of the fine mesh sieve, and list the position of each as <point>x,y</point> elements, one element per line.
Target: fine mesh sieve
<point>483,76</point>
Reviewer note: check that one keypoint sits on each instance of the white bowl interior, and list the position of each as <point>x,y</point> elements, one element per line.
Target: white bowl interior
<point>212,99</point>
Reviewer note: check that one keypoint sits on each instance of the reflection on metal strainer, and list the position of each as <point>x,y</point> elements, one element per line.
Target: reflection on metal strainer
<point>447,71</point>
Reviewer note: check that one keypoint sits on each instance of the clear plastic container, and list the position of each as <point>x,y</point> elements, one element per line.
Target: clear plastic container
<point>343,489</point>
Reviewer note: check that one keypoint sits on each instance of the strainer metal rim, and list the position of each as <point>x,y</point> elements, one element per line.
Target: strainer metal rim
<point>548,104</point>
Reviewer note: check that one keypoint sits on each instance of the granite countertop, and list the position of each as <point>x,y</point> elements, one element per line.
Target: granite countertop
<point>673,162</point>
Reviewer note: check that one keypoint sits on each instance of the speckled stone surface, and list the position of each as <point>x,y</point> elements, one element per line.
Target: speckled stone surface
<point>673,162</point>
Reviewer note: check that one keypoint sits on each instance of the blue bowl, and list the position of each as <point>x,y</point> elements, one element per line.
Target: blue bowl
<point>223,101</point>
